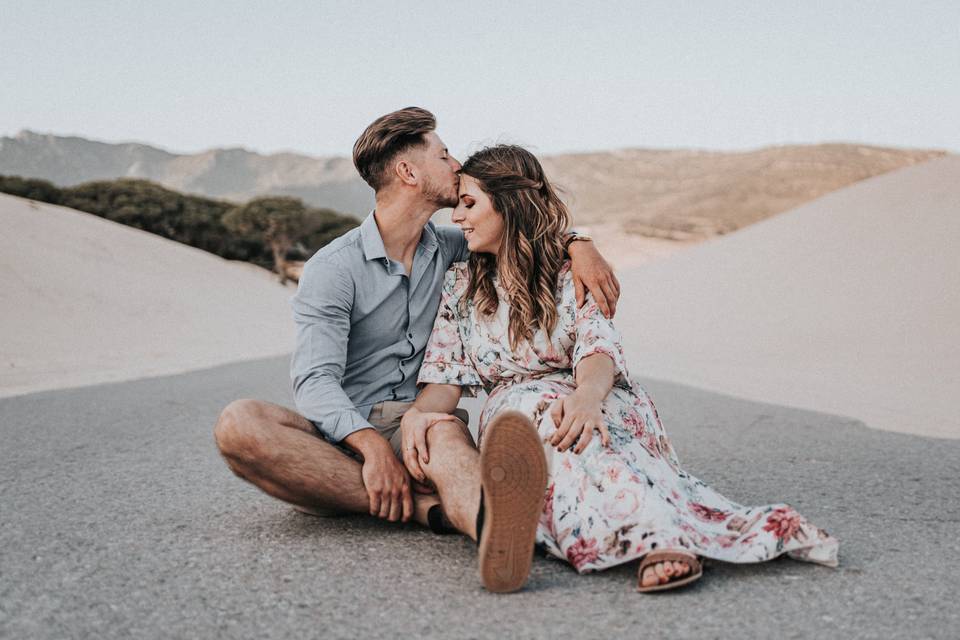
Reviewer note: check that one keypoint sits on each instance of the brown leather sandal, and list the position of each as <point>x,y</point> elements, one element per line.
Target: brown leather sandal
<point>656,557</point>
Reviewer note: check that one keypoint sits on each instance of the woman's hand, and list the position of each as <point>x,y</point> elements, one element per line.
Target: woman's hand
<point>576,416</point>
<point>413,434</point>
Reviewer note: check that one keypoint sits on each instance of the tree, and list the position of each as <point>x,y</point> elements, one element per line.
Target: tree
<point>322,226</point>
<point>278,221</point>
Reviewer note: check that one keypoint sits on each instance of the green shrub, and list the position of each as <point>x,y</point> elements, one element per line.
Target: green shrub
<point>32,188</point>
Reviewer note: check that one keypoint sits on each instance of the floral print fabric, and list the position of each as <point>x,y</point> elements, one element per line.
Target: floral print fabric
<point>606,505</point>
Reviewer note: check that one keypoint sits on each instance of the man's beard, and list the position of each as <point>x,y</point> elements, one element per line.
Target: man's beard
<point>441,198</point>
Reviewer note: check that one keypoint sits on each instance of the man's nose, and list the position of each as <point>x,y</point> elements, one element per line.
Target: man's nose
<point>456,164</point>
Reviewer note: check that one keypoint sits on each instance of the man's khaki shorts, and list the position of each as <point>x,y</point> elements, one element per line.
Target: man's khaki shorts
<point>385,418</point>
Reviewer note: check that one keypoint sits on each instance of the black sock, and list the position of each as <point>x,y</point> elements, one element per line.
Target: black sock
<point>437,521</point>
<point>480,517</point>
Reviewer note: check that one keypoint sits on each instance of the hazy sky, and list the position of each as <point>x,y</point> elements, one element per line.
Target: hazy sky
<point>558,76</point>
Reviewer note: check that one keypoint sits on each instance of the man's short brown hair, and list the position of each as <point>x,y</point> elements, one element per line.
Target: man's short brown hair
<point>386,137</point>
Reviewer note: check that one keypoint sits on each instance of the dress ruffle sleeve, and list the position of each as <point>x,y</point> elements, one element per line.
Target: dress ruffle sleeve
<point>595,333</point>
<point>446,359</point>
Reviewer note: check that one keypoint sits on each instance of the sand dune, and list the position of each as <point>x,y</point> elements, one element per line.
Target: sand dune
<point>689,195</point>
<point>849,304</point>
<point>84,300</point>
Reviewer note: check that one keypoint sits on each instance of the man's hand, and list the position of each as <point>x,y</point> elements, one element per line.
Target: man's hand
<point>413,431</point>
<point>577,415</point>
<point>592,273</point>
<point>386,481</point>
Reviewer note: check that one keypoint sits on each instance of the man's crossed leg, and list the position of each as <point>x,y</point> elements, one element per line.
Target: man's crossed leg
<point>279,451</point>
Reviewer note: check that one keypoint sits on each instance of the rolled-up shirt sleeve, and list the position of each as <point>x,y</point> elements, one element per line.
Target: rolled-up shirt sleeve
<point>321,311</point>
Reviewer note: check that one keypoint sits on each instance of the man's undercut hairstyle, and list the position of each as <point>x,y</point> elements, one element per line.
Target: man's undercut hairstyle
<point>387,137</point>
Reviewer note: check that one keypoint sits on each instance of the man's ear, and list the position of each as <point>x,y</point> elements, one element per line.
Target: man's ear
<point>406,172</point>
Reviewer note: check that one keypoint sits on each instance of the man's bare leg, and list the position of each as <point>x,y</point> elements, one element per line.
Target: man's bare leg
<point>514,504</point>
<point>454,469</point>
<point>277,450</point>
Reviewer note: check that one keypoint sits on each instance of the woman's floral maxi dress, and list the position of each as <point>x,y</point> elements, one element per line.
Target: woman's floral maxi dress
<point>606,505</point>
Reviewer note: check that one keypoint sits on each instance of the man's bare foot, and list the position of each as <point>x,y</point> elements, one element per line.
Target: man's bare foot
<point>661,570</point>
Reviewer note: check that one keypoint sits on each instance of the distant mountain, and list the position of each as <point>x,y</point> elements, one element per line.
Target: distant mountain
<point>694,195</point>
<point>670,194</point>
<point>231,174</point>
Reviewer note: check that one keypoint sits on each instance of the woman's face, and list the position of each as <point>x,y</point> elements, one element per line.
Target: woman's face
<point>482,226</point>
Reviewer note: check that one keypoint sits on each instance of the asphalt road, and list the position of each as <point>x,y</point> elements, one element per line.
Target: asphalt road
<point>119,520</point>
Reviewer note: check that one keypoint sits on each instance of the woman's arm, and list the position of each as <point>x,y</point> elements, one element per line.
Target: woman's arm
<point>578,414</point>
<point>435,403</point>
<point>595,376</point>
<point>433,397</point>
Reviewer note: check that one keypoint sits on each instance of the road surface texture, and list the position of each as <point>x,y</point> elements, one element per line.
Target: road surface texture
<point>118,519</point>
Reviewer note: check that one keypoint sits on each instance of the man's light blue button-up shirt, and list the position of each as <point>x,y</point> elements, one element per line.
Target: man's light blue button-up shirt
<point>363,324</point>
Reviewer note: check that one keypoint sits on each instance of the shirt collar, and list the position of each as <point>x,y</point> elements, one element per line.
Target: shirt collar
<point>373,248</point>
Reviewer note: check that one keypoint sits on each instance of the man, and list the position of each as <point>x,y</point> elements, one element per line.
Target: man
<point>364,311</point>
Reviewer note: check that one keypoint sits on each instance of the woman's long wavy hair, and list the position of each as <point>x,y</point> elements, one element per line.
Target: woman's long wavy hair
<point>531,253</point>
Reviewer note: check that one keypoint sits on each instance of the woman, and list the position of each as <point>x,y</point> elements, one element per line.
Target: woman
<point>509,323</point>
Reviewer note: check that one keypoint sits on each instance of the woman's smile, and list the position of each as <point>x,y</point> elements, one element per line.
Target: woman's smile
<point>482,226</point>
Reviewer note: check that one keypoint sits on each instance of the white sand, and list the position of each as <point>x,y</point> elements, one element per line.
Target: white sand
<point>84,300</point>
<point>849,304</point>
<point>627,250</point>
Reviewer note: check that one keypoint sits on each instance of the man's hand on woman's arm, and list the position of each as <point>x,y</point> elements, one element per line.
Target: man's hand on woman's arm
<point>434,404</point>
<point>386,481</point>
<point>592,273</point>
<point>578,414</point>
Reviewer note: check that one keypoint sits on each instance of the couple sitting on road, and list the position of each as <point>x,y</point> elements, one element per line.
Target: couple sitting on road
<point>399,317</point>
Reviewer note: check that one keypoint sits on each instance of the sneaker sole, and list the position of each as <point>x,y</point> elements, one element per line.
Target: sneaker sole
<point>513,471</point>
